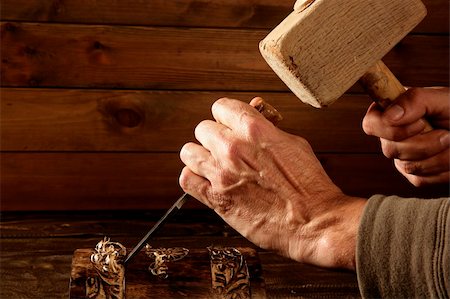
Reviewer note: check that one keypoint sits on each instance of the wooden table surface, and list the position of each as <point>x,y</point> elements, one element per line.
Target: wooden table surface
<point>37,247</point>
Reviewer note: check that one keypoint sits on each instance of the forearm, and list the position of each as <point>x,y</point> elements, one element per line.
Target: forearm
<point>336,246</point>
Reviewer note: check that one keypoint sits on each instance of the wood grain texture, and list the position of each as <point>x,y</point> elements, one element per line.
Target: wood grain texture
<point>70,148</point>
<point>153,121</point>
<point>183,13</point>
<point>189,277</point>
<point>349,36</point>
<point>47,242</point>
<point>75,149</point>
<point>81,181</point>
<point>44,275</point>
<point>133,57</point>
<point>82,56</point>
<point>307,283</point>
<point>46,272</point>
<point>382,86</point>
<point>114,224</point>
<point>187,13</point>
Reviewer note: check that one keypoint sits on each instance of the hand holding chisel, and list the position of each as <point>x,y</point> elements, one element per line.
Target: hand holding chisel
<point>265,109</point>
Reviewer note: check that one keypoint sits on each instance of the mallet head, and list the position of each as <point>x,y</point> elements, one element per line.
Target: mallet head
<point>324,46</point>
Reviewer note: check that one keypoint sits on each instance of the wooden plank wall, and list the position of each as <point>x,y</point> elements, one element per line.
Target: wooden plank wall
<point>98,96</point>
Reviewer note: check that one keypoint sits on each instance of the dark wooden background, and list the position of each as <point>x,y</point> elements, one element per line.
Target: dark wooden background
<point>98,97</point>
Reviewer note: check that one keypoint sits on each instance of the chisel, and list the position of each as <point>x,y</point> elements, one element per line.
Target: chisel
<point>265,109</point>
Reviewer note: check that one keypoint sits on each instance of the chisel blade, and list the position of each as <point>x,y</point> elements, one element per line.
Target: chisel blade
<point>172,211</point>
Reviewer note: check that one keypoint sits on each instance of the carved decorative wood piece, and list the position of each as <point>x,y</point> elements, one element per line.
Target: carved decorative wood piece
<point>229,273</point>
<point>161,257</point>
<point>107,259</point>
<point>166,272</point>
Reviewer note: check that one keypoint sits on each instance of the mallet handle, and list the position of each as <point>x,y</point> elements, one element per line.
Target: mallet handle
<point>383,87</point>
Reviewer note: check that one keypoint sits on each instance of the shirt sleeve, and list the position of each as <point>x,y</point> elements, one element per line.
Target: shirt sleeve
<point>403,248</point>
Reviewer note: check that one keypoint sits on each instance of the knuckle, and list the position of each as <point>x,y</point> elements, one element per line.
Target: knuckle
<point>412,171</point>
<point>396,134</point>
<point>218,103</point>
<point>184,152</point>
<point>221,203</point>
<point>389,149</point>
<point>373,127</point>
<point>224,204</point>
<point>367,126</point>
<point>183,180</point>
<point>231,150</point>
<point>417,181</point>
<point>412,167</point>
<point>221,101</point>
<point>252,127</point>
<point>200,127</point>
<point>203,190</point>
<point>224,180</point>
<point>444,139</point>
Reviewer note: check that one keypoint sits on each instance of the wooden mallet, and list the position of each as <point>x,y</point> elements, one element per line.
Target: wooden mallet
<point>325,46</point>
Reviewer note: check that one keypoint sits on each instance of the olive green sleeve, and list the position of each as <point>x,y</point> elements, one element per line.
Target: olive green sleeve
<point>403,248</point>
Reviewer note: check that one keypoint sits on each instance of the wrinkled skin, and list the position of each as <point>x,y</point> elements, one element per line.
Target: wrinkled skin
<point>423,158</point>
<point>269,186</point>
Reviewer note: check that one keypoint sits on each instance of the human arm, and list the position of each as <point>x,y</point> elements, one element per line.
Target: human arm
<point>270,187</point>
<point>422,157</point>
<point>403,248</point>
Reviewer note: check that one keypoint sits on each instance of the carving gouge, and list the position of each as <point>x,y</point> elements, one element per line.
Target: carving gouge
<point>265,109</point>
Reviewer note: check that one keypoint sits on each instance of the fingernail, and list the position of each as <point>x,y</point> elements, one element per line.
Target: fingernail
<point>395,112</point>
<point>445,140</point>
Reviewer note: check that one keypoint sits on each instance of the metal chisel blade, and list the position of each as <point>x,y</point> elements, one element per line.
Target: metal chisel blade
<point>172,211</point>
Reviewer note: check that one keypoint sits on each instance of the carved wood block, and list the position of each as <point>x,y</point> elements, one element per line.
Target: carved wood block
<point>213,272</point>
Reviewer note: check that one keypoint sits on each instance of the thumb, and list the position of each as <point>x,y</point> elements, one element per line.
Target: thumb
<point>418,103</point>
